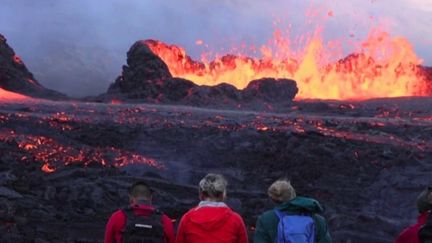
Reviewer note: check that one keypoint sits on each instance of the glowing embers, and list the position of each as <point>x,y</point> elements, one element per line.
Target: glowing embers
<point>61,120</point>
<point>54,154</point>
<point>17,60</point>
<point>384,67</point>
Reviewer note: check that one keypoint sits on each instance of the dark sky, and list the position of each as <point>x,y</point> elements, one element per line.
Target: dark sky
<point>78,46</point>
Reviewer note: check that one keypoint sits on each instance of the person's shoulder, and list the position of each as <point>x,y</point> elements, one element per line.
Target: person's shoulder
<point>320,223</point>
<point>267,218</point>
<point>166,218</point>
<point>319,218</point>
<point>236,215</point>
<point>117,220</point>
<point>186,215</point>
<point>118,214</point>
<point>267,214</point>
<point>164,215</point>
<point>236,219</point>
<point>407,235</point>
<point>190,211</point>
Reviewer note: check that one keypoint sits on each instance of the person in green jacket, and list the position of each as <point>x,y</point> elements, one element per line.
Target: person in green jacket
<point>283,194</point>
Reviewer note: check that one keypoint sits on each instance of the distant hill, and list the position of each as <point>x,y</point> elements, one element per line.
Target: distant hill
<point>15,77</point>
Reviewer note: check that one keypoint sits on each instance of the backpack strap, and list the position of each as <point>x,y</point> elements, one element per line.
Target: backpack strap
<point>129,213</point>
<point>317,224</point>
<point>279,213</point>
<point>425,232</point>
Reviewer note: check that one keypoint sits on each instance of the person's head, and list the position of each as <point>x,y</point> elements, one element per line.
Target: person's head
<point>281,191</point>
<point>140,192</point>
<point>213,188</point>
<point>424,200</point>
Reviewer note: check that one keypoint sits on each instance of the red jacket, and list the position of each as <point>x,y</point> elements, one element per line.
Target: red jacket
<point>410,234</point>
<point>118,221</point>
<point>211,224</point>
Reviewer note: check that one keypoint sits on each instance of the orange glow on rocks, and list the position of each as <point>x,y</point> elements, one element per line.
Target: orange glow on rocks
<point>116,102</point>
<point>47,169</point>
<point>53,154</point>
<point>17,60</point>
<point>383,66</point>
<point>8,95</point>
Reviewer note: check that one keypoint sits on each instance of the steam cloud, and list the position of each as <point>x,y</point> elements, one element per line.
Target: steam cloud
<point>77,47</point>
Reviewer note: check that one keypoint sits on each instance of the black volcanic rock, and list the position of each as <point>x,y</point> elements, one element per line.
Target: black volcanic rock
<point>147,78</point>
<point>271,90</point>
<point>14,75</point>
<point>142,61</point>
<point>366,174</point>
<point>158,90</point>
<point>143,69</point>
<point>224,90</point>
<point>174,89</point>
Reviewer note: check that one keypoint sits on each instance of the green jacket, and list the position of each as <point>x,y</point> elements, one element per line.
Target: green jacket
<point>267,223</point>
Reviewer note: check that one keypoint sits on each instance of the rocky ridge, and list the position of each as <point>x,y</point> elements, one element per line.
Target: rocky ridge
<point>15,77</point>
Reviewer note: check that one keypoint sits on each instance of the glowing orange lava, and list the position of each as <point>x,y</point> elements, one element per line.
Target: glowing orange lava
<point>7,95</point>
<point>384,66</point>
<point>54,154</point>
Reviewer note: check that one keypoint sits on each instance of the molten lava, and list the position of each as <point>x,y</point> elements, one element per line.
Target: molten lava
<point>54,154</point>
<point>11,96</point>
<point>383,67</point>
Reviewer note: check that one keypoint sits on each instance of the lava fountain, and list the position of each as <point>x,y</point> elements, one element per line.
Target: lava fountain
<point>382,66</point>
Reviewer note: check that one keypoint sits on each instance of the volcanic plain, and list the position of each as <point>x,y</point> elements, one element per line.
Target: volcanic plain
<point>65,166</point>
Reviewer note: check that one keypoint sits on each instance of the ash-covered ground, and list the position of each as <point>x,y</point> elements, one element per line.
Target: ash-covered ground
<point>65,166</point>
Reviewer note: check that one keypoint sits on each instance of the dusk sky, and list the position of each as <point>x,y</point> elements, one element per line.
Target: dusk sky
<point>37,29</point>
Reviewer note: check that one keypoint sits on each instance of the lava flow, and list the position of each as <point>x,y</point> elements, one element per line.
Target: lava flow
<point>384,66</point>
<point>11,96</point>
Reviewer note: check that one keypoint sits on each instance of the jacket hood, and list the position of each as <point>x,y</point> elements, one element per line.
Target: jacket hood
<point>302,204</point>
<point>209,217</point>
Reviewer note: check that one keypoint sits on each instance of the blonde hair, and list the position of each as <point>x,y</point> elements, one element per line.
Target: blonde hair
<point>281,191</point>
<point>213,185</point>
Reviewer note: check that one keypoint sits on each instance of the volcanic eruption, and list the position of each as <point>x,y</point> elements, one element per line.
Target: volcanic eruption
<point>255,116</point>
<point>163,73</point>
<point>148,78</point>
<point>384,67</point>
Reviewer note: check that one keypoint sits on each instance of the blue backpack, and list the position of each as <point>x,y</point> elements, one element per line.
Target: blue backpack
<point>295,228</point>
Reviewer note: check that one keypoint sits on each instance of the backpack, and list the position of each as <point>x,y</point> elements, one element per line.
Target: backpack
<point>425,232</point>
<point>143,229</point>
<point>295,228</point>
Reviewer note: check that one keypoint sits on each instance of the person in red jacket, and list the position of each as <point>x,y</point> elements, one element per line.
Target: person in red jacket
<point>140,197</point>
<point>424,206</point>
<point>212,221</point>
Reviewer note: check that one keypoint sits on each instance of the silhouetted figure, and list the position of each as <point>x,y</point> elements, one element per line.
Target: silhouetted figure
<point>294,219</point>
<point>412,234</point>
<point>140,221</point>
<point>212,221</point>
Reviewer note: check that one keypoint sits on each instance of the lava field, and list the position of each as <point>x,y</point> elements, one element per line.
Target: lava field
<point>63,173</point>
